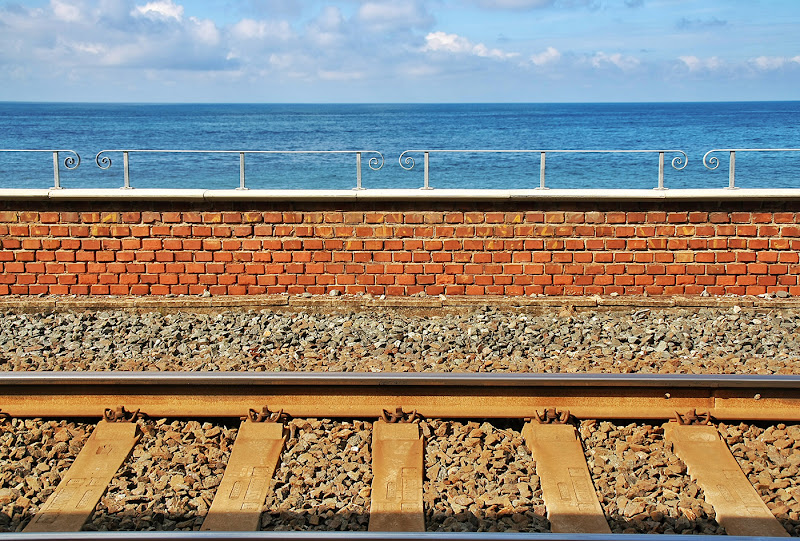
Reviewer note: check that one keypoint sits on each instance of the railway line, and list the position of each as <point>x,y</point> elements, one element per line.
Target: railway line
<point>378,455</point>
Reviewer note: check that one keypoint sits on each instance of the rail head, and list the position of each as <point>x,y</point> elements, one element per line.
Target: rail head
<point>402,379</point>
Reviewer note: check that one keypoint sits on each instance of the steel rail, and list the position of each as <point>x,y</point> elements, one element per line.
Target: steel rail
<point>104,162</point>
<point>360,395</point>
<point>358,536</point>
<point>407,163</point>
<point>382,379</point>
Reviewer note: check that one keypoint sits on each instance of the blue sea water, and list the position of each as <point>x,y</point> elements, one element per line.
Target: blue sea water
<point>393,128</point>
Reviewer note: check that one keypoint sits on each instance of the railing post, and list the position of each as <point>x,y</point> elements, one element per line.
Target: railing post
<point>126,171</point>
<point>241,172</point>
<point>541,170</point>
<point>660,171</point>
<point>427,186</point>
<point>56,173</point>
<point>732,172</point>
<point>358,172</point>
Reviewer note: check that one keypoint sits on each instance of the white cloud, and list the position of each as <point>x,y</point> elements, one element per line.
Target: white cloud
<point>393,16</point>
<point>308,44</point>
<point>548,56</point>
<point>515,4</point>
<point>204,31</point>
<point>340,75</point>
<point>95,49</point>
<point>282,61</point>
<point>330,18</point>
<point>695,64</point>
<point>328,29</point>
<point>65,11</point>
<point>160,9</point>
<point>520,5</point>
<point>770,63</point>
<point>418,70</point>
<point>249,29</point>
<point>625,63</point>
<point>455,44</point>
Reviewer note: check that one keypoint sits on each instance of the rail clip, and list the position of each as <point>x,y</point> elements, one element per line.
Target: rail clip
<point>265,416</point>
<point>552,416</point>
<point>399,416</point>
<point>121,415</point>
<point>693,418</point>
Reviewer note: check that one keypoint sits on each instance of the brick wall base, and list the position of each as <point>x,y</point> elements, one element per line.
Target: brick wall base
<point>399,248</point>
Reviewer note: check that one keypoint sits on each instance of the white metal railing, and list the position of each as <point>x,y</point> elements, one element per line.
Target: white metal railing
<point>70,162</point>
<point>678,162</point>
<point>713,162</point>
<point>374,163</point>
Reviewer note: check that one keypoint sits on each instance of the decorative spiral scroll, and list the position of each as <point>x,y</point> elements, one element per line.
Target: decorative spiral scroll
<point>102,162</point>
<point>713,160</point>
<point>72,162</point>
<point>408,162</point>
<point>679,162</point>
<point>374,162</point>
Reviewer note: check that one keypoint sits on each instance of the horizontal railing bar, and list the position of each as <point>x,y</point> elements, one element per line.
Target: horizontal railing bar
<point>69,162</point>
<point>242,151</point>
<point>37,150</point>
<point>104,162</point>
<point>753,150</point>
<point>714,161</point>
<point>559,151</point>
<point>407,162</point>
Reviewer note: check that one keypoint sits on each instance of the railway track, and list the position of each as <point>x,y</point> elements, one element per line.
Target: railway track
<point>408,452</point>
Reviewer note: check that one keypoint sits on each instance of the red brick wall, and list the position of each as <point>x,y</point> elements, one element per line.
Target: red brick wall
<point>555,248</point>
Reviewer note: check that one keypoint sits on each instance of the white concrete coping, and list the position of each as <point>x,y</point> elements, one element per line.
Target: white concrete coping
<point>166,194</point>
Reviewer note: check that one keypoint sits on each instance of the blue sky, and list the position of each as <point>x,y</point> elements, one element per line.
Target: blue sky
<point>399,51</point>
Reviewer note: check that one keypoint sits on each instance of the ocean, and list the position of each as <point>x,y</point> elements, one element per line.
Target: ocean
<point>392,128</point>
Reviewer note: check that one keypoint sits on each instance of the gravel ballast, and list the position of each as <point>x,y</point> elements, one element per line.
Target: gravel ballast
<point>486,339</point>
<point>34,454</point>
<point>324,479</point>
<point>479,475</point>
<point>642,486</point>
<point>169,481</point>
<point>770,457</point>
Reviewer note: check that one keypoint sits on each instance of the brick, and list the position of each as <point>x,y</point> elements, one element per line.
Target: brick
<point>639,250</point>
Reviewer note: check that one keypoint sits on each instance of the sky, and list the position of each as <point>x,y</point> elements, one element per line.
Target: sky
<point>384,51</point>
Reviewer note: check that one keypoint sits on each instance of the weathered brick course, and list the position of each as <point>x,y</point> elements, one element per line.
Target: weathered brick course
<point>399,248</point>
